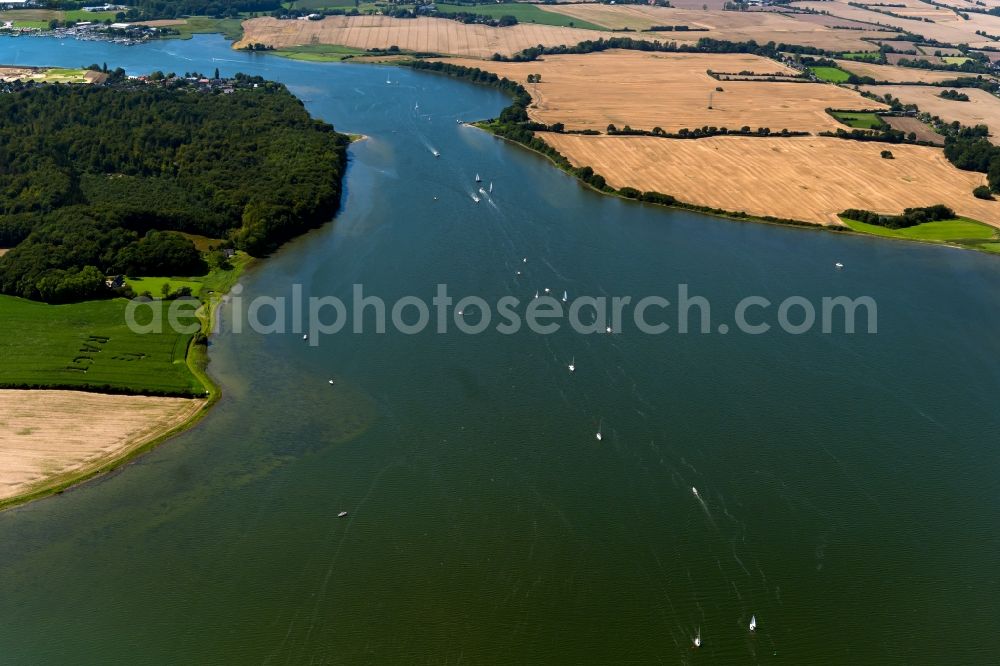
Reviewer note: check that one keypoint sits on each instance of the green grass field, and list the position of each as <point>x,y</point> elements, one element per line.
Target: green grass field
<point>859,120</point>
<point>862,55</point>
<point>89,346</point>
<point>154,285</point>
<point>80,15</point>
<point>218,280</point>
<point>39,18</point>
<point>318,52</point>
<point>961,230</point>
<point>230,28</point>
<point>831,74</point>
<point>956,60</point>
<point>524,13</point>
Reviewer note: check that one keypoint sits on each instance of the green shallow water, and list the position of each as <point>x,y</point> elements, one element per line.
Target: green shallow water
<point>848,483</point>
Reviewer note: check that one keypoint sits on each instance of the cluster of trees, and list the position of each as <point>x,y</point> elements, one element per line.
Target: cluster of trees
<point>954,95</point>
<point>700,132</point>
<point>704,45</point>
<point>973,66</point>
<point>969,149</point>
<point>884,135</point>
<point>485,19</point>
<point>158,9</point>
<point>911,217</point>
<point>96,179</point>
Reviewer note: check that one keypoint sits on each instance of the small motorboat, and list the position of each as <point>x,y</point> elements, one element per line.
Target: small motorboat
<point>330,382</point>
<point>697,639</point>
<point>524,261</point>
<point>341,514</point>
<point>436,153</point>
<point>478,179</point>
<point>305,336</point>
<point>565,297</point>
<point>599,428</point>
<point>753,623</point>
<point>839,265</point>
<point>609,330</point>
<point>546,290</point>
<point>536,294</point>
<point>572,365</point>
<point>475,198</point>
<point>694,491</point>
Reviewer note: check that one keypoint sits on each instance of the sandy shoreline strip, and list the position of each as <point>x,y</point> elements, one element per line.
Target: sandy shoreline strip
<point>52,439</point>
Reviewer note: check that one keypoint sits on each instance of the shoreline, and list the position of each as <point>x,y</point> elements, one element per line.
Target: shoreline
<point>197,359</point>
<point>735,216</point>
<point>135,445</point>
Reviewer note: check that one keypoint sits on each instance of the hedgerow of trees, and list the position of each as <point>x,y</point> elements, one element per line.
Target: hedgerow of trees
<point>97,180</point>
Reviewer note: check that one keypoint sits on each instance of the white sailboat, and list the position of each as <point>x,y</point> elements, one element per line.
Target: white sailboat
<point>491,187</point>
<point>478,179</point>
<point>753,623</point>
<point>572,365</point>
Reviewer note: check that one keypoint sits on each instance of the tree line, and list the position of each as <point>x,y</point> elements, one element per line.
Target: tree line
<point>911,217</point>
<point>97,180</point>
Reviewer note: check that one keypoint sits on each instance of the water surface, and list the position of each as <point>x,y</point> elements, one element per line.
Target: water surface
<point>848,483</point>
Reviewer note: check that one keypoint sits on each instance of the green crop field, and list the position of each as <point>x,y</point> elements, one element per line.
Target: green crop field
<point>956,60</point>
<point>831,74</point>
<point>961,230</point>
<point>90,346</point>
<point>230,28</point>
<point>524,13</point>
<point>861,55</point>
<point>859,120</point>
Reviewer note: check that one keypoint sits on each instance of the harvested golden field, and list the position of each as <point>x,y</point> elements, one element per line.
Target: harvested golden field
<point>895,74</point>
<point>949,29</point>
<point>50,437</point>
<point>672,91</point>
<point>734,26</point>
<point>981,109</point>
<point>801,178</point>
<point>923,131</point>
<point>421,34</point>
